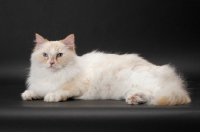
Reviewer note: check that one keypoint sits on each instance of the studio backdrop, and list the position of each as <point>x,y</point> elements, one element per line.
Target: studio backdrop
<point>163,32</point>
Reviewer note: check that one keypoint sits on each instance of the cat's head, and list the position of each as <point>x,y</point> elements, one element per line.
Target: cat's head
<point>53,55</point>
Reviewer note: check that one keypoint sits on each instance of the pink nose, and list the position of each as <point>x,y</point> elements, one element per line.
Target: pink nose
<point>52,62</point>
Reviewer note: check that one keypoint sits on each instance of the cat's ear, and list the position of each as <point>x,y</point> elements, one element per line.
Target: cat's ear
<point>39,39</point>
<point>69,42</point>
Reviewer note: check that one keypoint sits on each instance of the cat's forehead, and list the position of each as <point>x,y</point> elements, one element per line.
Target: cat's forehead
<point>54,47</point>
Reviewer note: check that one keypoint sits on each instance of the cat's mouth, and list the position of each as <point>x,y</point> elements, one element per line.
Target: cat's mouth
<point>52,67</point>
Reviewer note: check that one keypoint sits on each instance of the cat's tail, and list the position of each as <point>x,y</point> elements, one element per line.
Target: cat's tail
<point>175,98</point>
<point>173,89</point>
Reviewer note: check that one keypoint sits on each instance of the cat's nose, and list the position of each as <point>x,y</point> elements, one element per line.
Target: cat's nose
<point>51,63</point>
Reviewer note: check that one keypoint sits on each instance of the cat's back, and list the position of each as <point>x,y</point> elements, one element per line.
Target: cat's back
<point>107,59</point>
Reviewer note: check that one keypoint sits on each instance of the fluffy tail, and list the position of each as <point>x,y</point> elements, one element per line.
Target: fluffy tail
<point>172,90</point>
<point>174,99</point>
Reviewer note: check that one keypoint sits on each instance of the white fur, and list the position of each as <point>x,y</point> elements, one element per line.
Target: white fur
<point>109,76</point>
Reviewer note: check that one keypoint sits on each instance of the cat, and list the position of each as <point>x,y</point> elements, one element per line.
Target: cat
<point>58,73</point>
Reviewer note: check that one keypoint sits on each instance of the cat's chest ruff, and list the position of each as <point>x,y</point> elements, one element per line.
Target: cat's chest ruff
<point>54,79</point>
<point>48,82</point>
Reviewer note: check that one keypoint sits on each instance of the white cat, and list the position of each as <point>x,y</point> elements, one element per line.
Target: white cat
<point>57,74</point>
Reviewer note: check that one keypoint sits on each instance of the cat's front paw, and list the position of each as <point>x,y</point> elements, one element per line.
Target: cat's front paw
<point>30,95</point>
<point>54,97</point>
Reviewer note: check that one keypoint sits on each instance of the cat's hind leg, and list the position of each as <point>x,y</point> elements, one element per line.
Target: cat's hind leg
<point>138,96</point>
<point>30,95</point>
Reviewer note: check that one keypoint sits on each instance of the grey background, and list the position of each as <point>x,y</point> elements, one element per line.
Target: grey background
<point>163,32</point>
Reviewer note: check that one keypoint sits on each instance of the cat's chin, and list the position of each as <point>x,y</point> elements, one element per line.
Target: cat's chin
<point>52,68</point>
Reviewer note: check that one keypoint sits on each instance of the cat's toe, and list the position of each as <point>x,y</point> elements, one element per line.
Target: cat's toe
<point>52,97</point>
<point>29,95</point>
<point>136,99</point>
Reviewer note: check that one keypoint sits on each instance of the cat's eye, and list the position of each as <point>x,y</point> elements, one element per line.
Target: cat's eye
<point>59,55</point>
<point>45,54</point>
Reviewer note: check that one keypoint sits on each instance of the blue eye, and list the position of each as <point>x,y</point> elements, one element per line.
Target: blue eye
<point>59,55</point>
<point>45,54</point>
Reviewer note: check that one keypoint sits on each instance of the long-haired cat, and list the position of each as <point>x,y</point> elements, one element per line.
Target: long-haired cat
<point>57,73</point>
